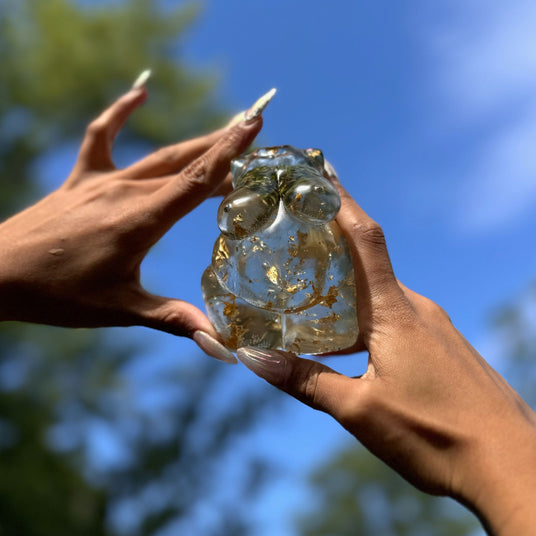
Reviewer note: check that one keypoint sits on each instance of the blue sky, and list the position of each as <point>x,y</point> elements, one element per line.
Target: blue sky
<point>428,112</point>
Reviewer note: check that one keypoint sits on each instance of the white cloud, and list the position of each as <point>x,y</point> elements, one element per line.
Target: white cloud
<point>487,55</point>
<point>485,59</point>
<point>501,188</point>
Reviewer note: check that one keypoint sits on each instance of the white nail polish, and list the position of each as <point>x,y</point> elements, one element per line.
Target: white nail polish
<point>330,171</point>
<point>268,364</point>
<point>260,105</point>
<point>212,347</point>
<point>142,78</point>
<point>236,119</point>
<point>253,112</point>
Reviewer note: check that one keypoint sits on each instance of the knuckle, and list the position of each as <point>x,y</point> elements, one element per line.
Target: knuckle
<point>96,128</point>
<point>198,174</point>
<point>304,381</point>
<point>169,319</point>
<point>168,155</point>
<point>369,231</point>
<point>173,318</point>
<point>113,226</point>
<point>436,311</point>
<point>234,136</point>
<point>197,170</point>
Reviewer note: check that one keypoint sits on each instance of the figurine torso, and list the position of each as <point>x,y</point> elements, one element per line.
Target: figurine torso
<point>281,273</point>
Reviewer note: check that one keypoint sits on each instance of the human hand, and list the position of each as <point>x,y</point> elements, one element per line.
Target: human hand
<point>73,259</point>
<point>428,404</point>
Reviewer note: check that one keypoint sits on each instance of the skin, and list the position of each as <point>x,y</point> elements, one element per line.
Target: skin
<point>73,259</point>
<point>428,405</point>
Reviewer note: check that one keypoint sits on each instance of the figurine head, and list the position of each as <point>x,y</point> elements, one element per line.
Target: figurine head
<point>272,179</point>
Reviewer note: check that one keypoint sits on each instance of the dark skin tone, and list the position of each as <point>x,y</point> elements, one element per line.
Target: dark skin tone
<point>428,405</point>
<point>75,255</point>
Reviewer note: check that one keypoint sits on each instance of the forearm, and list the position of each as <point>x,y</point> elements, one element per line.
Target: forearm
<point>6,284</point>
<point>16,272</point>
<point>501,482</point>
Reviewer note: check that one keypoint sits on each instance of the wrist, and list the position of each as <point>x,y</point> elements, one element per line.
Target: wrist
<point>500,477</point>
<point>6,291</point>
<point>9,285</point>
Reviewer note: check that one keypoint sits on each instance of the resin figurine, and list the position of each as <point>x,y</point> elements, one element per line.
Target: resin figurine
<point>281,273</point>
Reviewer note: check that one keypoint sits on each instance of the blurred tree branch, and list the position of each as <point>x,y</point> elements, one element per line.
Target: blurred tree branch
<point>64,391</point>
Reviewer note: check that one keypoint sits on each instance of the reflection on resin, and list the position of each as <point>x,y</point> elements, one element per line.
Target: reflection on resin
<point>281,274</point>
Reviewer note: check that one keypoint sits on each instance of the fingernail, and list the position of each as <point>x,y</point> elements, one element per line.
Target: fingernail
<point>259,106</point>
<point>268,364</point>
<point>236,119</point>
<point>255,111</point>
<point>142,78</point>
<point>330,172</point>
<point>212,347</point>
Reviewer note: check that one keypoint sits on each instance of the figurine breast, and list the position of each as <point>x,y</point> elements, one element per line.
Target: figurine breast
<point>281,274</point>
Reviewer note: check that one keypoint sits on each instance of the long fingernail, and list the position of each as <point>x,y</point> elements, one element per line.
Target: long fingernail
<point>255,111</point>
<point>212,347</point>
<point>236,119</point>
<point>142,78</point>
<point>330,172</point>
<point>259,106</point>
<point>268,364</point>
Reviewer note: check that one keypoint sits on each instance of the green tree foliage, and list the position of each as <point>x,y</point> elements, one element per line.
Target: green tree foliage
<point>64,392</point>
<point>61,64</point>
<point>357,494</point>
<point>515,324</point>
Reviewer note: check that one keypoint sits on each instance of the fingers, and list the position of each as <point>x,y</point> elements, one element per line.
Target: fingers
<point>96,151</point>
<point>376,285</point>
<point>310,382</point>
<point>225,187</point>
<point>204,175</point>
<point>173,316</point>
<point>201,178</point>
<point>173,158</point>
<point>180,318</point>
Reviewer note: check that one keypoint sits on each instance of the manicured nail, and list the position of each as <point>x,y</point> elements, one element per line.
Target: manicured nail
<point>142,78</point>
<point>268,364</point>
<point>330,172</point>
<point>212,347</point>
<point>255,111</point>
<point>236,119</point>
<point>259,106</point>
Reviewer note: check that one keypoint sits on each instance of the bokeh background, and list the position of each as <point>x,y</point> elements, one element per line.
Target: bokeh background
<point>428,112</point>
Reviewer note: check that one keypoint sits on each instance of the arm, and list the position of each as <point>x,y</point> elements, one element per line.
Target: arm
<point>428,405</point>
<point>73,259</point>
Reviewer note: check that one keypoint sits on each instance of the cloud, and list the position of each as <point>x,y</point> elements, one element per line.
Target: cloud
<point>484,57</point>
<point>501,187</point>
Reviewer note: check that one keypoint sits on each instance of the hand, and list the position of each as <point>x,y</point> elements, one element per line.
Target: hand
<point>428,404</point>
<point>73,259</point>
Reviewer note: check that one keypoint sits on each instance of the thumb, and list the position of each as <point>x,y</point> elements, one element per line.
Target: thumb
<point>184,319</point>
<point>310,382</point>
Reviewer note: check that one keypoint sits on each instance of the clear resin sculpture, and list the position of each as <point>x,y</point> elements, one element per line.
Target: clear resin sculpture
<point>281,273</point>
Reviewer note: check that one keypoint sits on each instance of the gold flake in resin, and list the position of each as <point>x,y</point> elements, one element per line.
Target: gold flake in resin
<point>281,274</point>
